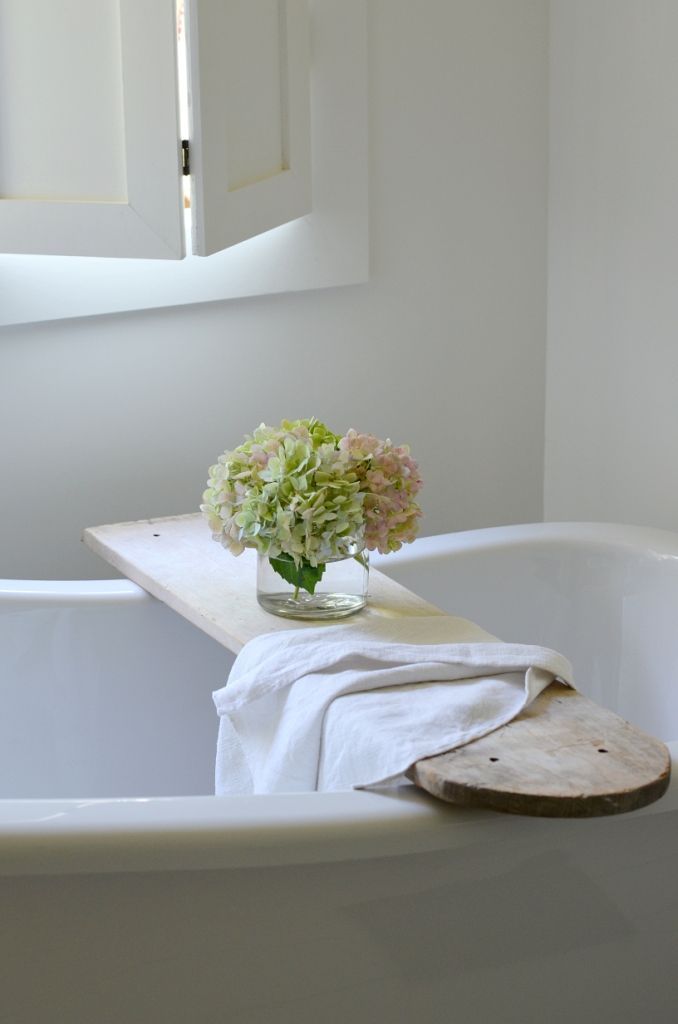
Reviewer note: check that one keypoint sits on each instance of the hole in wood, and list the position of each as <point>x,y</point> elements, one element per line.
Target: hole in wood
<point>156,534</point>
<point>494,759</point>
<point>602,750</point>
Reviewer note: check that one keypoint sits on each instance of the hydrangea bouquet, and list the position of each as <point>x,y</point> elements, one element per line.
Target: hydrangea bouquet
<point>304,496</point>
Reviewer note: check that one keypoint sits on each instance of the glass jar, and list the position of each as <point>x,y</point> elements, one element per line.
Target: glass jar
<point>340,590</point>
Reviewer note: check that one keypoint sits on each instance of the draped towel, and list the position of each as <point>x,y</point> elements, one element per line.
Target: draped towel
<point>353,706</point>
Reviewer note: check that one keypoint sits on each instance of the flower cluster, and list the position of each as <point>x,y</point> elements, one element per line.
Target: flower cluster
<point>389,480</point>
<point>302,492</point>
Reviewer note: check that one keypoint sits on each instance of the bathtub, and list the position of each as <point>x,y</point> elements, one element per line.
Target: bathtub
<point>130,894</point>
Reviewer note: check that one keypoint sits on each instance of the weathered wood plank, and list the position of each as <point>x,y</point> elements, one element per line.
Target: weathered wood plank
<point>565,756</point>
<point>177,561</point>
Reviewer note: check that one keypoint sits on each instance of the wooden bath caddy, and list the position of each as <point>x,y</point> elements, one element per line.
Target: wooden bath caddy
<point>564,756</point>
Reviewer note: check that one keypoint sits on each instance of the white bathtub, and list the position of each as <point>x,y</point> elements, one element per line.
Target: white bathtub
<point>129,894</point>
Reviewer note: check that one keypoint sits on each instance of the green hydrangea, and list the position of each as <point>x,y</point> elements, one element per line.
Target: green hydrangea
<point>303,495</point>
<point>286,491</point>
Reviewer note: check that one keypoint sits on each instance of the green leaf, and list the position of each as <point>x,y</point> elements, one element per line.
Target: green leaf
<point>302,577</point>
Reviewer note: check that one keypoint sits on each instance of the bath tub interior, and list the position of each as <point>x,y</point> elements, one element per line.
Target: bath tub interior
<point>604,595</point>
<point>106,692</point>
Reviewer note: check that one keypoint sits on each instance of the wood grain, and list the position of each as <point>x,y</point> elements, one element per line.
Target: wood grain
<point>564,756</point>
<point>176,560</point>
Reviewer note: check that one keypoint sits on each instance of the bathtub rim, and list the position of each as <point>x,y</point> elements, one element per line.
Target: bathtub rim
<point>618,536</point>
<point>208,832</point>
<point>105,590</point>
<point>203,833</point>
<point>653,541</point>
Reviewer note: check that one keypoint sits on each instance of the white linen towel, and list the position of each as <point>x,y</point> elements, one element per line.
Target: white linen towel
<point>352,706</point>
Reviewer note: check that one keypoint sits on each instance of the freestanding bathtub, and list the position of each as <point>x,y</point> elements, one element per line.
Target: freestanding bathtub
<point>129,894</point>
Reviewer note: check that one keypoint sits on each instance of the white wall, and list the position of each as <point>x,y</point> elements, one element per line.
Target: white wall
<point>612,380</point>
<point>116,418</point>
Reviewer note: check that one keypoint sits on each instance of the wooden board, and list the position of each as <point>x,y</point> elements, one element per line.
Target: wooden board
<point>176,560</point>
<point>565,756</point>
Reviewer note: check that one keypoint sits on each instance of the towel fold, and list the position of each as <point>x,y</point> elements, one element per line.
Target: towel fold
<point>354,706</point>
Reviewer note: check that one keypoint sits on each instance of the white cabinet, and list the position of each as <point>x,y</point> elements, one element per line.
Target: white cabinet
<point>90,163</point>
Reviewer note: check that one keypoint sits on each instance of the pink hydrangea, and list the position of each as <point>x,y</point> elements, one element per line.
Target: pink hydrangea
<point>389,478</point>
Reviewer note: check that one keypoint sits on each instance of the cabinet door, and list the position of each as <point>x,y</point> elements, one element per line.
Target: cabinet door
<point>249,89</point>
<point>90,155</point>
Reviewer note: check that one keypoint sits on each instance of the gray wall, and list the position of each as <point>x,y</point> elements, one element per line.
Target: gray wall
<point>612,408</point>
<point>118,417</point>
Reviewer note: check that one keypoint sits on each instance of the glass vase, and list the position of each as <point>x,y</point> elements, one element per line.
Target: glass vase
<point>340,591</point>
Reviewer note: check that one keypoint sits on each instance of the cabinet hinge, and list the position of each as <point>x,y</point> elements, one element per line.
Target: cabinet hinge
<point>185,157</point>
